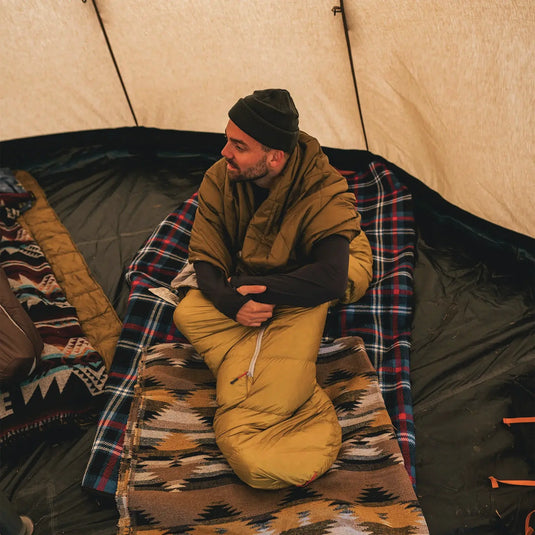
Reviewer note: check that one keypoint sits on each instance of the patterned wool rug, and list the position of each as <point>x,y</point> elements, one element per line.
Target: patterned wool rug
<point>68,381</point>
<point>173,478</point>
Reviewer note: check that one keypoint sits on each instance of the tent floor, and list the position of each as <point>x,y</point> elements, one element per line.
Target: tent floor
<point>473,336</point>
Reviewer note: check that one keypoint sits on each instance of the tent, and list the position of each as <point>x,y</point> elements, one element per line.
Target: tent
<point>443,92</point>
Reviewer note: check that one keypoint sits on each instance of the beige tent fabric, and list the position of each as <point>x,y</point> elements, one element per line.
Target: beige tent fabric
<point>446,88</point>
<point>56,71</point>
<point>447,93</point>
<point>186,63</point>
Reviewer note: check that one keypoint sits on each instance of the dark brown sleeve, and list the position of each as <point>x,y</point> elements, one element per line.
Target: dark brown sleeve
<point>323,280</point>
<point>214,286</point>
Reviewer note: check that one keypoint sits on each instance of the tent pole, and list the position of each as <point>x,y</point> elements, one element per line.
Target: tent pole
<point>114,61</point>
<point>340,9</point>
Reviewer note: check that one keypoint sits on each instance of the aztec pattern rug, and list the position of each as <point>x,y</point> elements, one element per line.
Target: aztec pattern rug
<point>173,478</point>
<point>382,318</point>
<point>70,376</point>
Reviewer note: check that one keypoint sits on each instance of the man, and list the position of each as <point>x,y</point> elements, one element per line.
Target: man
<point>276,240</point>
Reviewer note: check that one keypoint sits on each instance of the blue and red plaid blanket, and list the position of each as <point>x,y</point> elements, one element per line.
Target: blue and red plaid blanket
<point>382,318</point>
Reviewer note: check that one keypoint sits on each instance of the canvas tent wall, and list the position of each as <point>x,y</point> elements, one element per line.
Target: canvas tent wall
<point>445,90</point>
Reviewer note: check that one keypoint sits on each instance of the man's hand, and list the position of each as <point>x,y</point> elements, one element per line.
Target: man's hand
<point>252,313</point>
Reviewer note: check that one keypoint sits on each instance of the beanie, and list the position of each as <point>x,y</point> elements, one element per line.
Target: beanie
<point>269,116</point>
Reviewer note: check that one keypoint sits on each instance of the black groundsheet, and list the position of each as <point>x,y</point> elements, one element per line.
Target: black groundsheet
<point>473,338</point>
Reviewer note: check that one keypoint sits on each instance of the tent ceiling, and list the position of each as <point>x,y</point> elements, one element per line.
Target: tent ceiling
<point>185,63</point>
<point>56,71</point>
<point>446,90</point>
<point>441,95</point>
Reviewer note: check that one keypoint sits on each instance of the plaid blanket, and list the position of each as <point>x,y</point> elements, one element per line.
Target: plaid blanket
<point>382,318</point>
<point>174,479</point>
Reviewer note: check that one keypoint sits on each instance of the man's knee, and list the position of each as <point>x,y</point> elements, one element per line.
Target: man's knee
<point>195,316</point>
<point>182,313</point>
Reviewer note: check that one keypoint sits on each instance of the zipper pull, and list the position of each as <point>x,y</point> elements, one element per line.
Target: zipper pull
<point>239,377</point>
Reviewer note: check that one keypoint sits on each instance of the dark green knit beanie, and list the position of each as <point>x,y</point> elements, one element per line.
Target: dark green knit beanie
<point>269,116</point>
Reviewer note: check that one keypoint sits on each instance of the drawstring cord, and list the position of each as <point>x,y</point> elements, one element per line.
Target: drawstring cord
<point>239,377</point>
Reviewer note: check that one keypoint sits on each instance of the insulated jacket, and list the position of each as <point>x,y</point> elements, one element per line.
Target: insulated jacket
<point>308,201</point>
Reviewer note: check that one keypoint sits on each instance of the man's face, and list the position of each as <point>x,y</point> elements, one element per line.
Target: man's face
<point>246,158</point>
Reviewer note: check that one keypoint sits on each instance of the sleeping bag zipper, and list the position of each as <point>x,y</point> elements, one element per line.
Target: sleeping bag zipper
<point>252,364</point>
<point>23,332</point>
<point>8,316</point>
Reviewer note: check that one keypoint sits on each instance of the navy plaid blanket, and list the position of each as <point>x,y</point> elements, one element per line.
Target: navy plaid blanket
<point>382,318</point>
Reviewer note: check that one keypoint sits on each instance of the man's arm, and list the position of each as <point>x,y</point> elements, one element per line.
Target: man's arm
<point>214,285</point>
<point>323,280</point>
<point>237,303</point>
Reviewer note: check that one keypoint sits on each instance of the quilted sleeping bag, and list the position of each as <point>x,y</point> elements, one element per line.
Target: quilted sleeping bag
<point>273,423</point>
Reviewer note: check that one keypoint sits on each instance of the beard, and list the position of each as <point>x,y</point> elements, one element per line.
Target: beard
<point>255,172</point>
